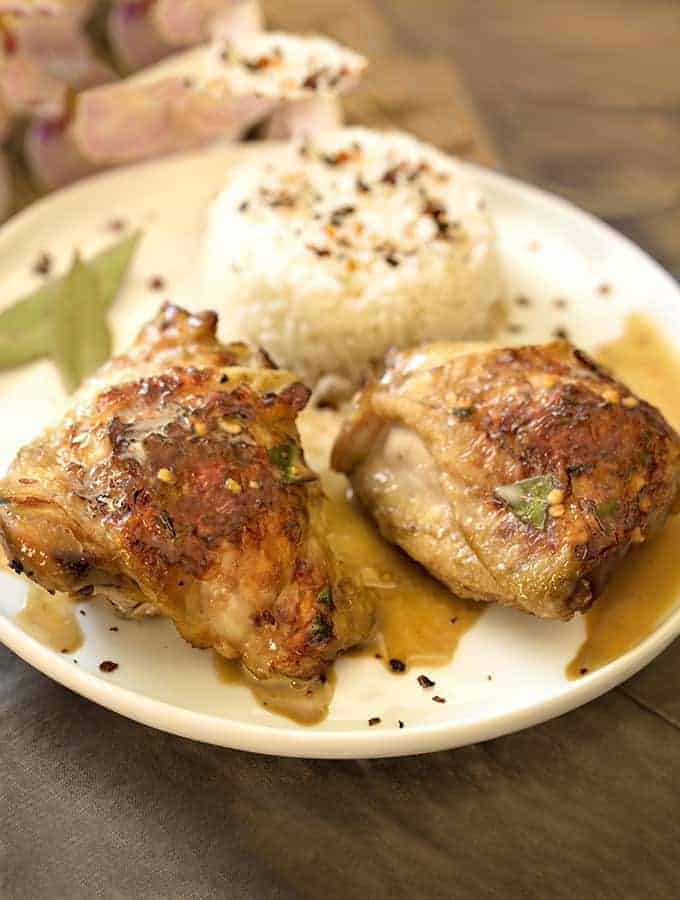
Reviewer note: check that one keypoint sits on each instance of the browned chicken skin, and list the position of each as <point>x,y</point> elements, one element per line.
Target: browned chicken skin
<point>177,485</point>
<point>519,476</point>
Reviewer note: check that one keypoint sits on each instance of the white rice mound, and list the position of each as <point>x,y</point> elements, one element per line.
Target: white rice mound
<point>330,252</point>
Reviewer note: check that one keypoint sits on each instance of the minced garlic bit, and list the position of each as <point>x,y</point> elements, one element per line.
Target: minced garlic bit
<point>230,427</point>
<point>166,475</point>
<point>200,428</point>
<point>637,536</point>
<point>555,497</point>
<point>645,504</point>
<point>556,511</point>
<point>610,395</point>
<point>254,485</point>
<point>232,485</point>
<point>630,402</point>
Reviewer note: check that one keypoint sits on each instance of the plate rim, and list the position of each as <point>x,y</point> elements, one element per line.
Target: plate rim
<point>306,742</point>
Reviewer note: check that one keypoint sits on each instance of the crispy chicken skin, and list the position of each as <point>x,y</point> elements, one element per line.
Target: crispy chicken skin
<point>177,485</point>
<point>436,448</point>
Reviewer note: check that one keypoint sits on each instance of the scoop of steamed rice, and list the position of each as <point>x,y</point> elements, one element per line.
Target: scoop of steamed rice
<point>329,253</point>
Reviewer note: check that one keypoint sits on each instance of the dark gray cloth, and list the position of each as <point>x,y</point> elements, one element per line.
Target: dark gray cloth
<point>93,805</point>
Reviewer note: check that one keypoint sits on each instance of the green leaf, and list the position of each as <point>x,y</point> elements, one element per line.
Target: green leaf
<point>81,338</point>
<point>325,596</point>
<point>288,459</point>
<point>26,327</point>
<point>110,267</point>
<point>320,631</point>
<point>607,508</point>
<point>528,499</point>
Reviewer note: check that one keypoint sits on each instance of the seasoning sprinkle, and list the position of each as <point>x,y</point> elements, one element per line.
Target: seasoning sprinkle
<point>43,264</point>
<point>166,475</point>
<point>425,682</point>
<point>397,665</point>
<point>108,666</point>
<point>230,427</point>
<point>439,699</point>
<point>461,412</point>
<point>374,720</point>
<point>319,251</point>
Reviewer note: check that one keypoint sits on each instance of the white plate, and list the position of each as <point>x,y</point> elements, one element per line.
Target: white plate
<point>161,681</point>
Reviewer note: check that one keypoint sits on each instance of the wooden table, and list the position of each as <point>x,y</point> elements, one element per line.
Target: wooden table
<point>582,97</point>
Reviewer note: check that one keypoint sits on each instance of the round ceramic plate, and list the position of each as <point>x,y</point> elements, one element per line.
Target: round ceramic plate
<point>551,250</point>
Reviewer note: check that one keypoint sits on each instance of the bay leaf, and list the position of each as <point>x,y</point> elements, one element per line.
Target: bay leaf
<point>26,327</point>
<point>81,339</point>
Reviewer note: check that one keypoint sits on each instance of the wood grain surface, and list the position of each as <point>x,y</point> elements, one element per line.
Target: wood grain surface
<point>582,97</point>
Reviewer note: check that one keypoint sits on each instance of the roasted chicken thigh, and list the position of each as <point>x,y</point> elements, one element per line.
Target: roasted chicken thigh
<point>519,476</point>
<point>177,485</point>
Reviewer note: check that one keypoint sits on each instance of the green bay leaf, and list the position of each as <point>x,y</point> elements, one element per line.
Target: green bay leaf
<point>26,327</point>
<point>111,265</point>
<point>81,340</point>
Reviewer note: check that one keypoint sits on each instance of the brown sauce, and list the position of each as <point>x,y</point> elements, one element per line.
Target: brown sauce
<point>304,702</point>
<point>641,592</point>
<point>418,621</point>
<point>646,587</point>
<point>50,619</point>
